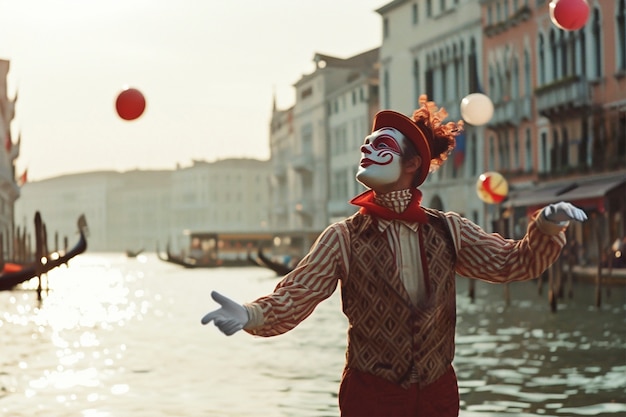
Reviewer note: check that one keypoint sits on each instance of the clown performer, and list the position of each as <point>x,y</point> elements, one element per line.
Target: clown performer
<point>396,262</point>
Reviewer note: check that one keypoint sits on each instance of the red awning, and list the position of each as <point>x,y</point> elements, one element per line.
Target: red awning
<point>585,192</point>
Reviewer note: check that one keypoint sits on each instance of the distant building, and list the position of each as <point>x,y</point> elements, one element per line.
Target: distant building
<point>434,48</point>
<point>118,213</point>
<point>142,209</point>
<point>558,132</point>
<point>314,144</point>
<point>558,129</point>
<point>351,107</point>
<point>9,190</point>
<point>230,195</point>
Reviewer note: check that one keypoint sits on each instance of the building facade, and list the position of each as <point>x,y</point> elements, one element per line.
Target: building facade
<point>144,209</point>
<point>314,144</point>
<point>434,48</point>
<point>9,189</point>
<point>230,195</point>
<point>559,130</point>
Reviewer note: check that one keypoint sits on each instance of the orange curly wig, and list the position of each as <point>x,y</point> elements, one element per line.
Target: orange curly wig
<point>441,137</point>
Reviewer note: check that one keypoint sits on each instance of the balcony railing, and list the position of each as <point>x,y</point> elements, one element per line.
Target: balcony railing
<point>505,113</point>
<point>564,95</point>
<point>302,163</point>
<point>511,112</point>
<point>280,170</point>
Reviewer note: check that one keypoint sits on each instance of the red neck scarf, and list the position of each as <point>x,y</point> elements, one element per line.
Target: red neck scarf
<point>413,212</point>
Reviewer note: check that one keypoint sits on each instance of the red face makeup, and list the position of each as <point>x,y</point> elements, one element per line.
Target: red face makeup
<point>380,158</point>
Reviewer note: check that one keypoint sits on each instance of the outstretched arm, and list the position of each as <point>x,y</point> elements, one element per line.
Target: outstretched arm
<point>493,258</point>
<point>295,296</point>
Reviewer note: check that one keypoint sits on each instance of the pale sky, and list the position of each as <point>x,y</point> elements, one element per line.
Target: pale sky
<point>208,69</point>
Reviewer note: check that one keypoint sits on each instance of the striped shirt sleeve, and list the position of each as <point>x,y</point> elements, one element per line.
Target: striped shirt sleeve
<point>491,257</point>
<point>299,292</point>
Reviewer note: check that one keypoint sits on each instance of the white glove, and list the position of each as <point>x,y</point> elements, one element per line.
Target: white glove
<point>563,212</point>
<point>230,318</point>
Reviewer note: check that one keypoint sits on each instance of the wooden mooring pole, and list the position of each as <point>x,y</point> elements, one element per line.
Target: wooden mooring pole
<point>598,227</point>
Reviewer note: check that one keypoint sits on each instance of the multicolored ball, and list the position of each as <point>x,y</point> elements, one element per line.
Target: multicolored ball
<point>492,187</point>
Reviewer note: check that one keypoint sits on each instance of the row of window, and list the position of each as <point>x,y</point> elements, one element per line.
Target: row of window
<point>429,10</point>
<point>560,54</point>
<point>340,104</point>
<point>502,10</point>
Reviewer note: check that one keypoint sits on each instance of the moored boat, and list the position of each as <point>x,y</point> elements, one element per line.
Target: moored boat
<point>133,253</point>
<point>278,267</point>
<point>14,274</point>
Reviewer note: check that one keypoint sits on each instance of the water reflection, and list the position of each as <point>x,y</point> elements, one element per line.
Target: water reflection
<point>118,336</point>
<point>525,359</point>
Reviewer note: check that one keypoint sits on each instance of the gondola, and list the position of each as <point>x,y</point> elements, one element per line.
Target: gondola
<point>254,261</point>
<point>9,280</point>
<point>133,253</point>
<point>278,267</point>
<point>185,262</point>
<point>191,262</point>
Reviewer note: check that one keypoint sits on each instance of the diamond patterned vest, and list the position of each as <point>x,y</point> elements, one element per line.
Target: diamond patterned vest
<point>388,336</point>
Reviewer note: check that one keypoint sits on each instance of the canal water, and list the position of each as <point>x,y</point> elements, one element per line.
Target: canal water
<point>122,337</point>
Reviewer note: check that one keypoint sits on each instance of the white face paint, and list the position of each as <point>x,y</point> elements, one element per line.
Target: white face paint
<point>380,163</point>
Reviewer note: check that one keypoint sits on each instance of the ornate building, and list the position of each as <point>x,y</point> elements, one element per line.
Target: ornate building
<point>434,48</point>
<point>9,190</point>
<point>559,130</point>
<point>314,144</point>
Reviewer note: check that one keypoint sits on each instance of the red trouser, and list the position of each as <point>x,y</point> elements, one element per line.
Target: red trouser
<point>365,395</point>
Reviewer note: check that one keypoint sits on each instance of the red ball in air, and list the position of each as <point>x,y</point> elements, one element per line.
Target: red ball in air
<point>569,14</point>
<point>130,103</point>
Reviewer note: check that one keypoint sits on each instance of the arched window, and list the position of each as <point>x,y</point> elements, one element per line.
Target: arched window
<point>506,150</point>
<point>503,151</point>
<point>554,151</point>
<point>516,150</point>
<point>597,43</point>
<point>472,146</point>
<point>564,157</point>
<point>515,80</point>
<point>436,203</point>
<point>554,53</point>
<point>472,62</point>
<point>544,153</point>
<point>386,87</point>
<point>564,60</point>
<point>499,83</point>
<point>570,53</point>
<point>462,72</point>
<point>428,79</point>
<point>583,149</point>
<point>581,56</point>
<point>416,82</point>
<point>527,78</point>
<point>528,157</point>
<point>457,74</point>
<point>492,82</point>
<point>492,153</point>
<point>444,80</point>
<point>620,23</point>
<point>542,61</point>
